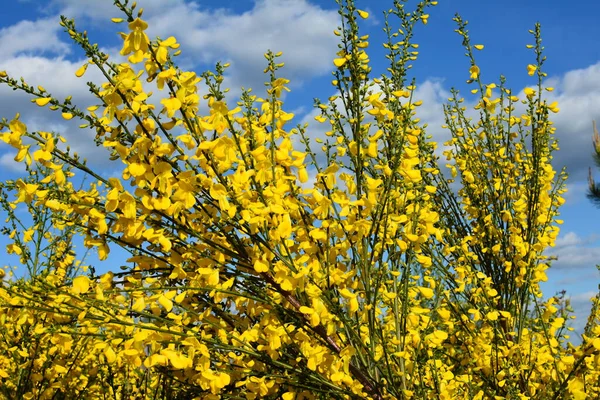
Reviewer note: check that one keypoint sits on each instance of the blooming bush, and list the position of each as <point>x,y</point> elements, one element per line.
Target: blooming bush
<point>266,264</point>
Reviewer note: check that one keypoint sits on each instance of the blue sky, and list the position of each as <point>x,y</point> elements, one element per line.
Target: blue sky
<point>33,45</point>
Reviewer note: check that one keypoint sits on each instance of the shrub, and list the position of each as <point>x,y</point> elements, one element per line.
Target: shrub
<point>386,275</point>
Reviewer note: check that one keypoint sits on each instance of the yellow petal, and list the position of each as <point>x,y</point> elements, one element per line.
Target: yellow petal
<point>43,101</point>
<point>426,292</point>
<point>178,361</point>
<point>478,46</point>
<point>492,315</point>
<point>353,305</point>
<point>443,313</point>
<point>285,227</point>
<point>137,169</point>
<point>139,305</point>
<point>474,70</point>
<point>67,116</point>
<point>79,73</point>
<point>116,20</point>
<point>363,14</point>
<point>23,151</point>
<point>110,355</point>
<point>306,310</point>
<point>302,175</point>
<point>81,284</point>
<point>529,92</point>
<point>339,62</point>
<point>166,303</point>
<point>261,266</point>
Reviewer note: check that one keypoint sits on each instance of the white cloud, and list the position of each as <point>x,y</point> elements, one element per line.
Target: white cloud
<point>57,75</point>
<point>302,31</point>
<point>582,306</point>
<point>568,239</point>
<point>576,192</point>
<point>103,10</point>
<point>41,36</point>
<point>575,252</point>
<point>578,96</point>
<point>577,257</point>
<point>582,81</point>
<point>7,161</point>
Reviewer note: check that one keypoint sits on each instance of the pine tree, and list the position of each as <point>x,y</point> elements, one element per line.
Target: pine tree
<point>594,187</point>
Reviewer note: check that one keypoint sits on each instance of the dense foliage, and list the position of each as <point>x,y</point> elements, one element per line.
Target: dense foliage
<point>370,262</point>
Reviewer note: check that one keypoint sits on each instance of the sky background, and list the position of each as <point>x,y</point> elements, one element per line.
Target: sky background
<point>33,45</point>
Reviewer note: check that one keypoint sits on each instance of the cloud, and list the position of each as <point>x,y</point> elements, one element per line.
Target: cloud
<point>39,37</point>
<point>101,11</point>
<point>57,75</point>
<point>578,96</point>
<point>582,306</point>
<point>7,162</point>
<point>568,239</point>
<point>35,51</point>
<point>575,252</point>
<point>582,81</point>
<point>576,193</point>
<point>302,31</point>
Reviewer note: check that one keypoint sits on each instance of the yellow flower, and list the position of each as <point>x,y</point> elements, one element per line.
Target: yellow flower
<point>171,105</point>
<point>81,285</point>
<point>529,92</point>
<point>79,73</point>
<point>261,266</point>
<point>339,62</point>
<point>163,46</point>
<point>474,71</point>
<point>110,355</point>
<point>165,302</point>
<point>137,40</point>
<point>363,14</point>
<point>42,101</point>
